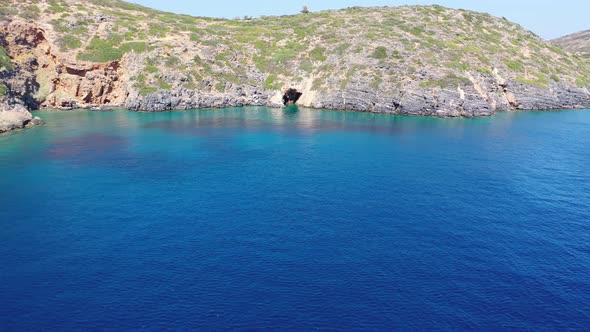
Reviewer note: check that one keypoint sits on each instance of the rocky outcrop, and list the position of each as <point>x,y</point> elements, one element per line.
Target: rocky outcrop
<point>480,97</point>
<point>16,117</point>
<point>185,99</point>
<point>44,78</point>
<point>75,85</point>
<point>18,82</point>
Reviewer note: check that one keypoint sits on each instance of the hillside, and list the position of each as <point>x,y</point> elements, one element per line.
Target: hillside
<point>576,43</point>
<point>415,60</point>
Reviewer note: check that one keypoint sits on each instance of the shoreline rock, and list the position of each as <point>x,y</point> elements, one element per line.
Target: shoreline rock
<point>16,116</point>
<point>438,103</point>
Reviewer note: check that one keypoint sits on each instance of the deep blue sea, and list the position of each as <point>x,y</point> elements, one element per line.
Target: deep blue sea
<point>295,220</point>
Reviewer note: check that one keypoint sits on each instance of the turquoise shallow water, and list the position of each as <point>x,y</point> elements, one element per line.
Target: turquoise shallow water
<point>295,219</point>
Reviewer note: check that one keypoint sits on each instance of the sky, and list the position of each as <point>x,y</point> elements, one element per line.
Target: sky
<point>547,18</point>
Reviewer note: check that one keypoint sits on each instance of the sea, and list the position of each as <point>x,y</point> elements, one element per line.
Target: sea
<point>260,219</point>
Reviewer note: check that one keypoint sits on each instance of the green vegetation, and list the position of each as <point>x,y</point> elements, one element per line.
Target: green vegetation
<point>486,71</point>
<point>5,63</point>
<point>164,85</point>
<point>271,83</point>
<point>379,53</point>
<point>111,49</point>
<point>376,83</point>
<point>450,81</point>
<point>317,54</point>
<point>342,48</point>
<point>281,57</point>
<point>70,42</point>
<point>146,90</point>
<point>3,90</point>
<point>101,51</point>
<point>306,66</point>
<point>459,65</point>
<point>30,12</point>
<point>72,26</point>
<point>157,30</point>
<point>137,47</point>
<point>540,81</point>
<point>151,69</point>
<point>583,81</point>
<point>172,61</point>
<point>6,10</point>
<point>55,8</point>
<point>515,66</point>
<point>143,87</point>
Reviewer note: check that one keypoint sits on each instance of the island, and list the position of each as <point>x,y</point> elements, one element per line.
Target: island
<point>409,60</point>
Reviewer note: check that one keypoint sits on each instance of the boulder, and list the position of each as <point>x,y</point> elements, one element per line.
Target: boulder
<point>16,117</point>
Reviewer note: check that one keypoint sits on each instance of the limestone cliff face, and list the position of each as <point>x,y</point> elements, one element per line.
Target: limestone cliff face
<point>483,97</point>
<point>402,60</point>
<point>44,78</point>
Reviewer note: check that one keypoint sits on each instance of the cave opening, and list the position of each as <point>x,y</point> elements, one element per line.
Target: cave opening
<point>291,97</point>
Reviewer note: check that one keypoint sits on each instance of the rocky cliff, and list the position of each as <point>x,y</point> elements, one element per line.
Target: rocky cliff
<point>415,60</point>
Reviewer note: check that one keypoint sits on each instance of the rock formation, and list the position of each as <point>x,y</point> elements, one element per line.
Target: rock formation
<point>413,60</point>
<point>16,117</point>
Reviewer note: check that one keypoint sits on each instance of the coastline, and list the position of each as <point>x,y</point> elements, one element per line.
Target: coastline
<point>18,120</point>
<point>383,80</point>
<point>110,108</point>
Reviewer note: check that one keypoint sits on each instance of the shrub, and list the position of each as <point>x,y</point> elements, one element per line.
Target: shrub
<point>450,81</point>
<point>317,54</point>
<point>164,85</point>
<point>306,65</point>
<point>30,12</point>
<point>137,47</point>
<point>515,66</point>
<point>271,83</point>
<point>157,30</point>
<point>379,53</point>
<point>55,8</point>
<point>101,51</point>
<point>540,82</point>
<point>459,65</point>
<point>283,56</point>
<point>70,42</point>
<point>486,71</point>
<point>173,61</point>
<point>376,83</point>
<point>583,81</point>
<point>340,49</point>
<point>146,90</point>
<point>151,69</point>
<point>4,60</point>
